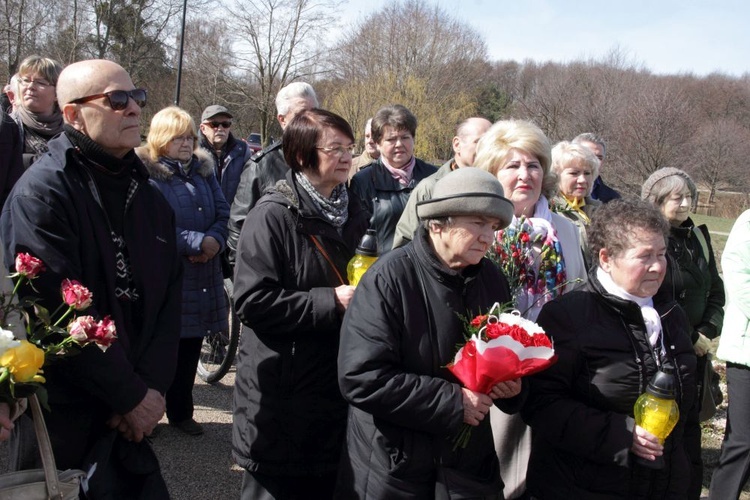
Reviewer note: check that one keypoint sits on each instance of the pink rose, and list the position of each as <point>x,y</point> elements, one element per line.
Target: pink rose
<point>106,333</point>
<point>76,295</point>
<point>82,329</point>
<point>28,266</point>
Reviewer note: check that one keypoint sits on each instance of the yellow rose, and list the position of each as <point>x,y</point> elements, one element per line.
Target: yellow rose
<point>24,362</point>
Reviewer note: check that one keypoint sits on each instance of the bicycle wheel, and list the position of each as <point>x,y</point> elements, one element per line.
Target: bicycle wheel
<point>218,349</point>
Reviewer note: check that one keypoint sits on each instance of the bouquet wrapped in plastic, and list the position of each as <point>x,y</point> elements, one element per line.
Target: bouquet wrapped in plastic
<point>501,346</point>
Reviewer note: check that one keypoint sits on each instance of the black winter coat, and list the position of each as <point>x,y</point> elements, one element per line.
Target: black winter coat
<point>385,198</point>
<point>55,213</point>
<point>406,407</point>
<point>229,166</point>
<point>693,280</point>
<point>11,160</point>
<point>581,409</point>
<point>602,192</point>
<point>289,417</point>
<point>262,171</point>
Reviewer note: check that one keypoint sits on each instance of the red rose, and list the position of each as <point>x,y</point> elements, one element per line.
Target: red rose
<point>520,334</point>
<point>541,340</point>
<point>493,331</point>
<point>28,266</point>
<point>524,237</point>
<point>479,320</point>
<point>106,333</point>
<point>76,295</point>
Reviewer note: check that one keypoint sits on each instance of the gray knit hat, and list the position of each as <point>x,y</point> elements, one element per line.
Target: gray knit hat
<point>467,191</point>
<point>660,175</point>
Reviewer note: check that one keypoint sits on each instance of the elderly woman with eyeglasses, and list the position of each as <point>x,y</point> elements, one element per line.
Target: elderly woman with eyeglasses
<point>184,174</point>
<point>576,167</point>
<point>290,291</point>
<point>36,111</point>
<point>386,184</point>
<point>693,281</point>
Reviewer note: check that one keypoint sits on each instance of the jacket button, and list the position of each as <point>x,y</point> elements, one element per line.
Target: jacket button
<point>204,290</point>
<point>200,208</point>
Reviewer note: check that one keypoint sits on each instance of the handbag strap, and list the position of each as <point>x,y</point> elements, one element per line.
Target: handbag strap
<point>325,255</point>
<point>45,450</point>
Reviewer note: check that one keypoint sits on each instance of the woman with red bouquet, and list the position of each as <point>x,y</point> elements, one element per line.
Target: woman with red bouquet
<point>399,334</point>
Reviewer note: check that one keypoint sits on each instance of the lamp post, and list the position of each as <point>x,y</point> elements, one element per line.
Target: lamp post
<point>179,61</point>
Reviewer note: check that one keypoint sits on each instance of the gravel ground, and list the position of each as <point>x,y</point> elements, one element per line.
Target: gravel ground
<point>196,467</point>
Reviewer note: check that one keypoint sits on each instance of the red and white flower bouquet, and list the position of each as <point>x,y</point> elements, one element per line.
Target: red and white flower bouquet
<point>500,346</point>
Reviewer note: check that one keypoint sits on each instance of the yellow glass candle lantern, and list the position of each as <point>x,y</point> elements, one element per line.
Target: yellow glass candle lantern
<point>365,255</point>
<point>657,412</point>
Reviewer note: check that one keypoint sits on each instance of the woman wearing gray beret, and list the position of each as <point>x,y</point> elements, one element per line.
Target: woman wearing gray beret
<point>693,281</point>
<point>399,333</point>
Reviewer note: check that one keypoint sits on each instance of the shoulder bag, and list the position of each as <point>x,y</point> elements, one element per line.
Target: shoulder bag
<point>41,484</point>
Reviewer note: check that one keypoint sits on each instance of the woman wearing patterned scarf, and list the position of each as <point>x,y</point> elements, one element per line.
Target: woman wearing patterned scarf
<point>184,174</point>
<point>518,153</point>
<point>37,113</point>
<point>576,168</point>
<point>290,292</point>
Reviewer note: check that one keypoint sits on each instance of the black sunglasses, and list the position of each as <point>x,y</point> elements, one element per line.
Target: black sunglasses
<point>220,124</point>
<point>118,99</point>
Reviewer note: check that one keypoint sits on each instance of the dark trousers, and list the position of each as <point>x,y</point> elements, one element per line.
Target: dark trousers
<point>692,439</point>
<point>180,394</point>
<point>734,463</point>
<point>257,486</point>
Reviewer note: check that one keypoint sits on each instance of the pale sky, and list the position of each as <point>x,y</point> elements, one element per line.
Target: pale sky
<point>666,36</point>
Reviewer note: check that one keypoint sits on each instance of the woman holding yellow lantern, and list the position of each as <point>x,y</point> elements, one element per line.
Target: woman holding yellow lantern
<point>290,292</point>
<point>612,338</point>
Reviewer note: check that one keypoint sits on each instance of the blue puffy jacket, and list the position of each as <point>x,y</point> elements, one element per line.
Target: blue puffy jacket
<point>200,211</point>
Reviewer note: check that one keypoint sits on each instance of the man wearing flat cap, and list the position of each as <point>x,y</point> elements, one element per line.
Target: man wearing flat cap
<point>399,333</point>
<point>229,153</point>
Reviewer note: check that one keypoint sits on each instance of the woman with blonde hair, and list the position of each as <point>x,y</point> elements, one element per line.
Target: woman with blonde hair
<point>185,176</point>
<point>36,111</point>
<point>518,153</point>
<point>576,167</point>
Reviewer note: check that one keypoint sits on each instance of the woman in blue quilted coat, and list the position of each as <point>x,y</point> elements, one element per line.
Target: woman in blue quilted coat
<point>185,176</point>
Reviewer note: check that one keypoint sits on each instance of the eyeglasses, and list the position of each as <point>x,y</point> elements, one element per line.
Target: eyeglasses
<point>219,124</point>
<point>338,150</point>
<point>186,138</point>
<point>118,99</point>
<point>42,84</point>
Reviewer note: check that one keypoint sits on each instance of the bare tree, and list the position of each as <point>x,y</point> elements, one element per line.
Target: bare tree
<point>415,54</point>
<point>654,131</point>
<point>22,23</point>
<point>278,41</point>
<point>718,156</point>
